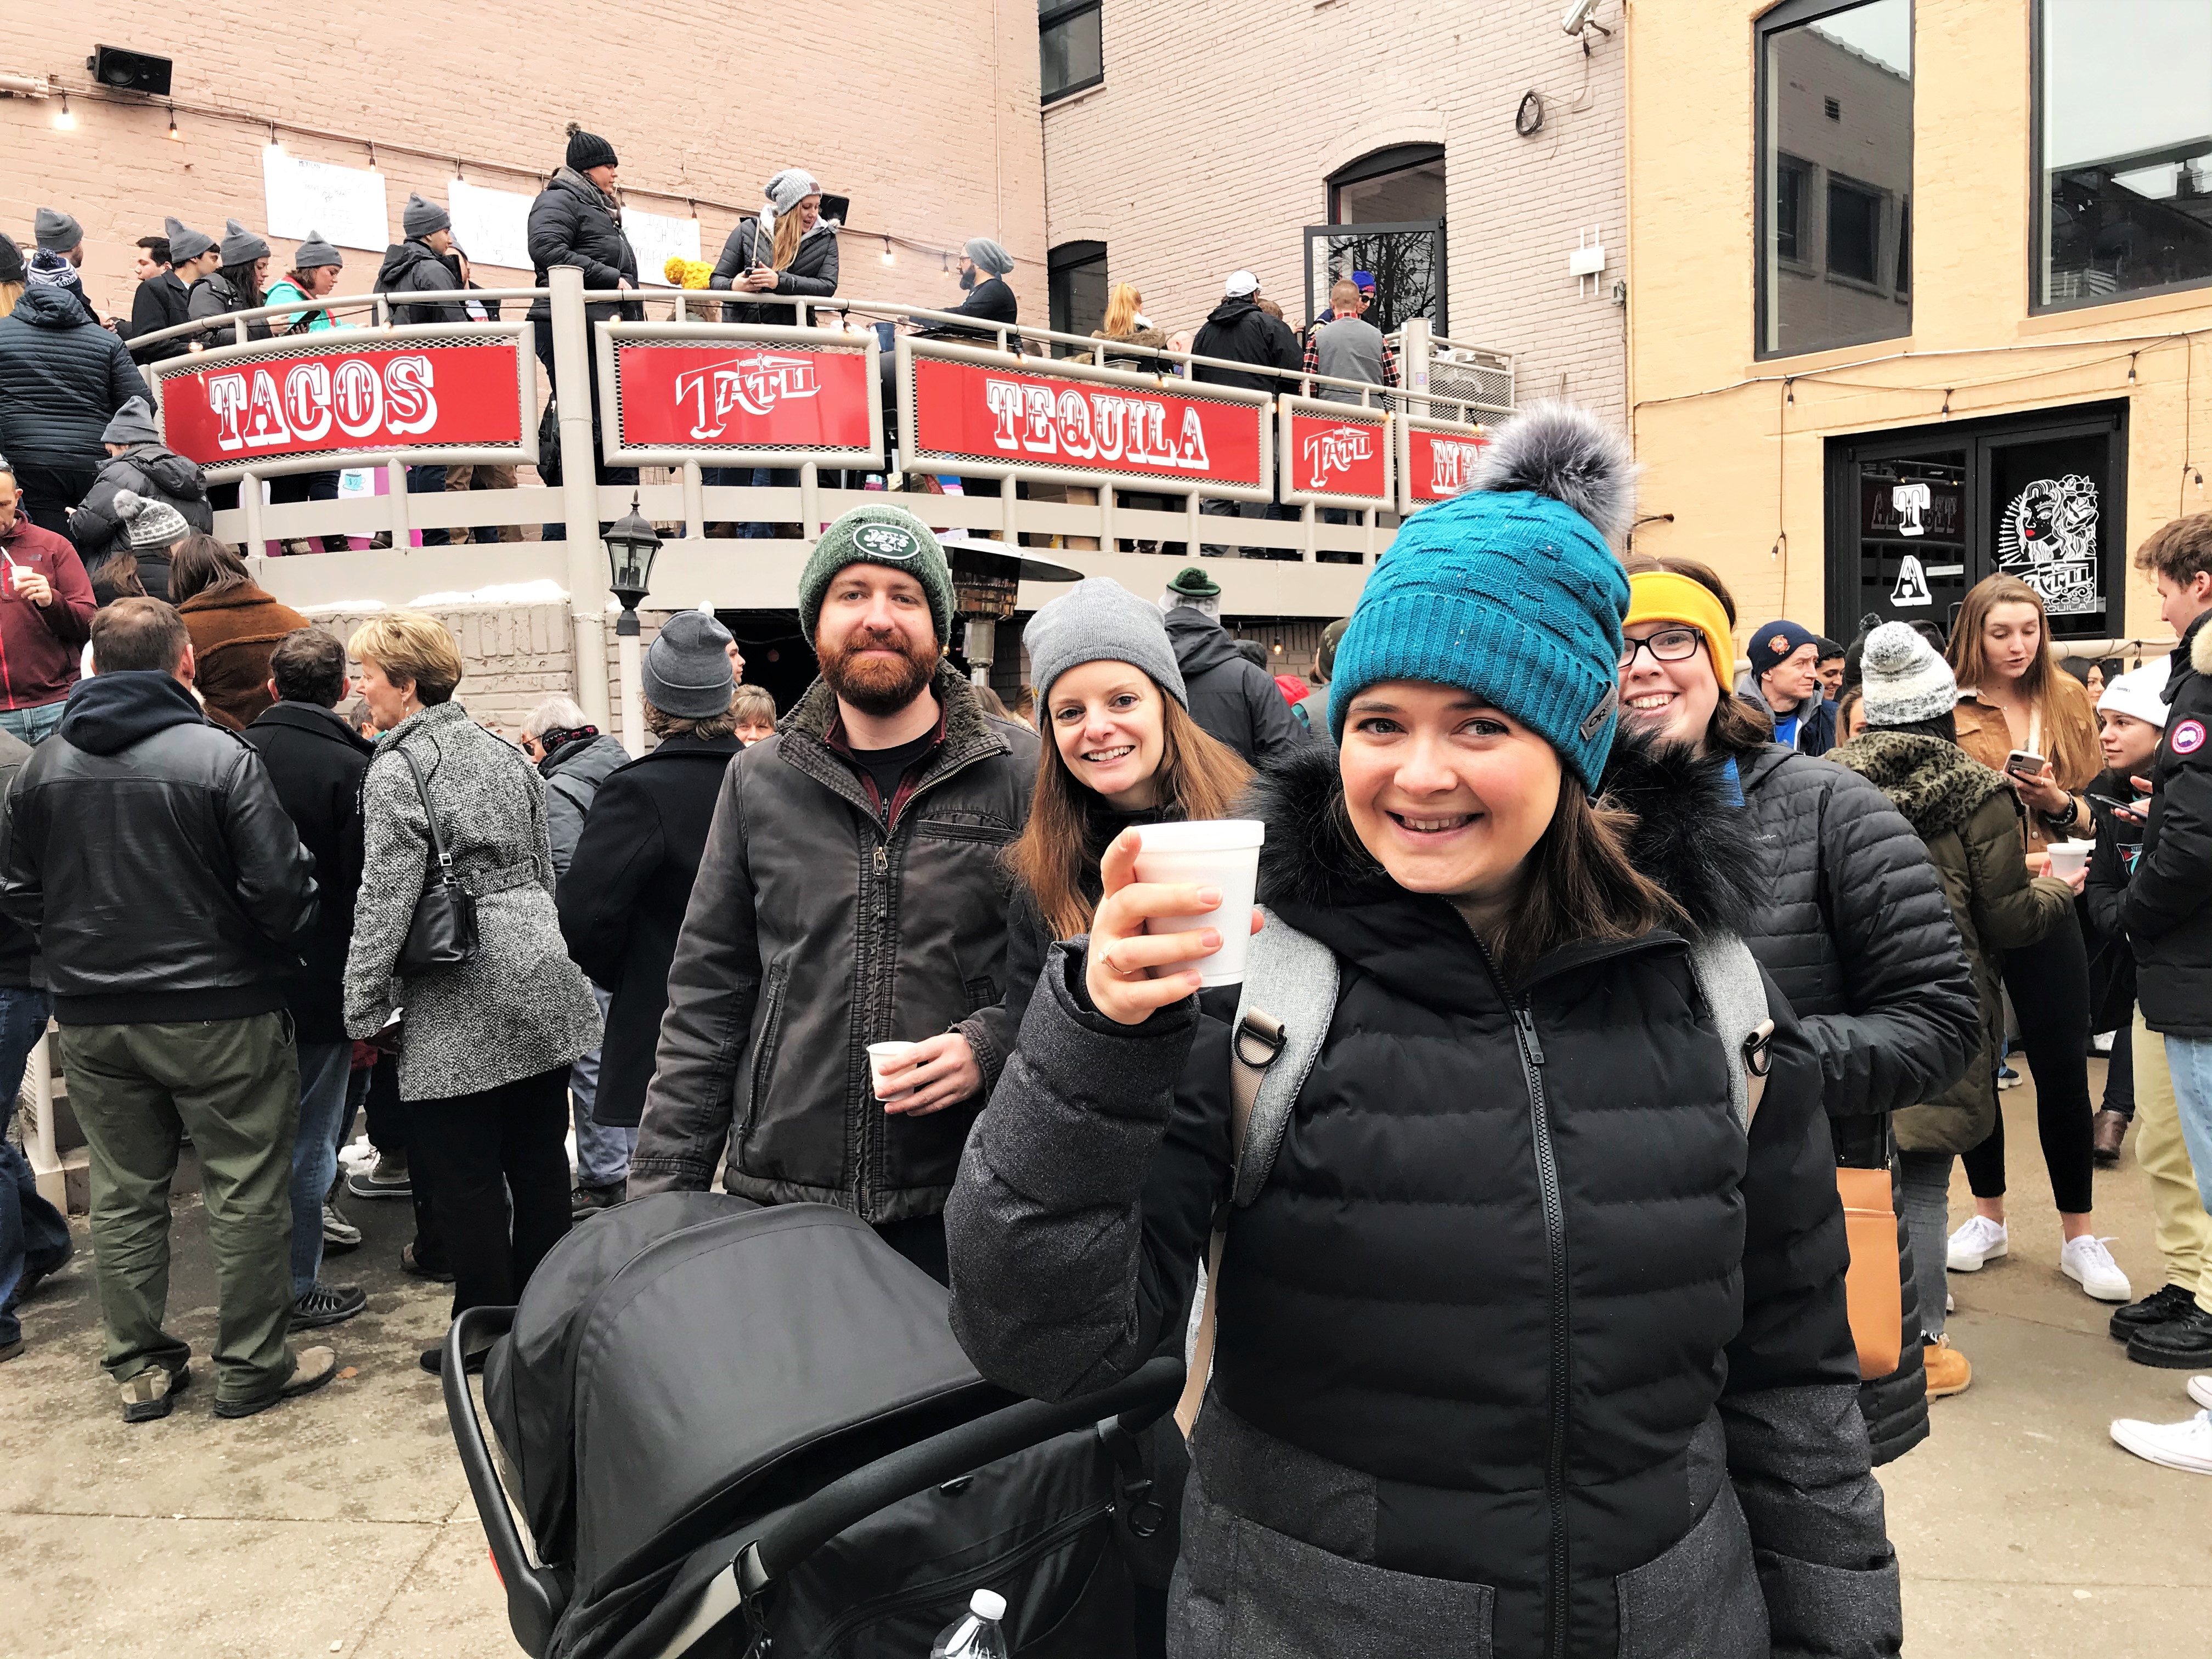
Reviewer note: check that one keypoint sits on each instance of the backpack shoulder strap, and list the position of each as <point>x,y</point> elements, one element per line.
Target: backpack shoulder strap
<point>1734,989</point>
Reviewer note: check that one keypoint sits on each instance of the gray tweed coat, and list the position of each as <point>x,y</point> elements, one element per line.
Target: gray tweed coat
<point>520,1006</point>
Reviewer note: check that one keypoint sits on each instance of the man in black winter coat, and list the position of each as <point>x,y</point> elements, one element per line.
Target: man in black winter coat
<point>577,220</point>
<point>140,806</point>
<point>62,379</point>
<point>135,462</point>
<point>164,298</point>
<point>1231,698</point>
<point>419,265</point>
<point>317,762</point>
<point>1239,331</point>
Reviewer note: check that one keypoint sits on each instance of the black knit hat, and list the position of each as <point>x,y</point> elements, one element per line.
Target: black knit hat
<point>588,150</point>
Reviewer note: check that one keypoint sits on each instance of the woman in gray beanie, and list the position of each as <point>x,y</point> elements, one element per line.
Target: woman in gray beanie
<point>314,273</point>
<point>1122,749</point>
<point>1970,819</point>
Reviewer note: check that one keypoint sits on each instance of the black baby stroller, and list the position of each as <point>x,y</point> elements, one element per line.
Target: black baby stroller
<point>730,1430</point>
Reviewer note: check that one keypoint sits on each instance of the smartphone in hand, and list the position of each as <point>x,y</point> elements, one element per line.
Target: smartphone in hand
<point>2025,764</point>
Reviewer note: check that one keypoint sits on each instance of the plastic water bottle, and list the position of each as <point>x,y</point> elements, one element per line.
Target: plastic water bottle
<point>976,1634</point>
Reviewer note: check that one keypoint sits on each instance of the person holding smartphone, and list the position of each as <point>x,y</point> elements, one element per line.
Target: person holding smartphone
<point>2019,713</point>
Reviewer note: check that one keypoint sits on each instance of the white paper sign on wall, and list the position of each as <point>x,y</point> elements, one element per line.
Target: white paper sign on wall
<point>345,203</point>
<point>493,225</point>
<point>657,238</point>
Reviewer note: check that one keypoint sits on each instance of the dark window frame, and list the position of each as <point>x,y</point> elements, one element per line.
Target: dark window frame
<point>1877,202</point>
<point>2038,200</point>
<point>1805,174</point>
<point>1069,14</point>
<point>1788,16</point>
<point>1376,164</point>
<point>1059,262</point>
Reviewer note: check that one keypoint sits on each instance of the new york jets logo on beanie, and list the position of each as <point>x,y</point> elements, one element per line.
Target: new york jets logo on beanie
<point>889,536</point>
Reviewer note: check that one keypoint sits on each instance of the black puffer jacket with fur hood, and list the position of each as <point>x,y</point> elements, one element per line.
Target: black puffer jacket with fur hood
<point>1522,1350</point>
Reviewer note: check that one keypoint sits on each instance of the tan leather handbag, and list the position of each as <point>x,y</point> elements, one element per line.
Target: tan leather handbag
<point>1876,1297</point>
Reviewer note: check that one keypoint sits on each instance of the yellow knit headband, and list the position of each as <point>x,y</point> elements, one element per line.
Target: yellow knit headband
<point>1662,596</point>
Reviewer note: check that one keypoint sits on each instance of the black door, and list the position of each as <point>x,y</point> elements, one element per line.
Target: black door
<point>1916,517</point>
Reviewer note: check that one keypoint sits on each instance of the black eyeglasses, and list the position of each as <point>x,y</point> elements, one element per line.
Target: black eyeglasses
<point>1667,645</point>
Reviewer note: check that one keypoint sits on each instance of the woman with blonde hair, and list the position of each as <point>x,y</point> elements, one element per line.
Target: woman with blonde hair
<point>2015,701</point>
<point>790,248</point>
<point>1126,322</point>
<point>487,1043</point>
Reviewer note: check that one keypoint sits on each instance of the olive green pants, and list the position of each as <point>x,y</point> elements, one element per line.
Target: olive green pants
<point>234,1085</point>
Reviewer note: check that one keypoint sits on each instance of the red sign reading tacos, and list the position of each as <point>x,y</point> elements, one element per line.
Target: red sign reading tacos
<point>1338,456</point>
<point>1015,415</point>
<point>1439,464</point>
<point>373,398</point>
<point>750,396</point>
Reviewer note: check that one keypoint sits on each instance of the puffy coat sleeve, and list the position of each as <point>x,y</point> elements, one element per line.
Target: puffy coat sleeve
<point>1914,1020</point>
<point>124,382</point>
<point>2011,909</point>
<point>1797,1449</point>
<point>736,255</point>
<point>1080,1217</point>
<point>822,284</point>
<point>712,985</point>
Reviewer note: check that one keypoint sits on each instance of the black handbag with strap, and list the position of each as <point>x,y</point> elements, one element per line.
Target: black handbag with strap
<point>443,932</point>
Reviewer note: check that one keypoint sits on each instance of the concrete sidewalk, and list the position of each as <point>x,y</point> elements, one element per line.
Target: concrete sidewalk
<point>340,1523</point>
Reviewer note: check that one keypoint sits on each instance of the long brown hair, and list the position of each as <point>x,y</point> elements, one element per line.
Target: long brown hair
<point>2068,741</point>
<point>201,564</point>
<point>1580,884</point>
<point>1198,777</point>
<point>1123,306</point>
<point>1736,728</point>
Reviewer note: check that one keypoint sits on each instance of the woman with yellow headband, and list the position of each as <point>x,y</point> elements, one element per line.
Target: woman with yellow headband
<point>1854,928</point>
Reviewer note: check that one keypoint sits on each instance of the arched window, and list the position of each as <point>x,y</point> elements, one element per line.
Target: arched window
<point>1405,181</point>
<point>1385,230</point>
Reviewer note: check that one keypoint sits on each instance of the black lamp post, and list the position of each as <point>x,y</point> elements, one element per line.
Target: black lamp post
<point>631,543</point>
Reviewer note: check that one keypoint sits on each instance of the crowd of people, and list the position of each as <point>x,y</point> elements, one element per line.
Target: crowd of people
<point>1525,1252</point>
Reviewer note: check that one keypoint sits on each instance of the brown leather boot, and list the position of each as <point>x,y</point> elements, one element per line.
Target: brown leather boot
<point>1948,1373</point>
<point>2106,1136</point>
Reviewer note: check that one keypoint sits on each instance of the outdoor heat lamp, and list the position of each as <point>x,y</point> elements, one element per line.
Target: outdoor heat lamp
<point>631,543</point>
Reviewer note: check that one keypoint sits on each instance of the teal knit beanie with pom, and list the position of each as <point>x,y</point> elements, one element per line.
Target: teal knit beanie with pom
<point>1510,589</point>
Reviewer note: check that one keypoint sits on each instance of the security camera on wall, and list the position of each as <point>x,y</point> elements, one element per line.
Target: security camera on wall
<point>1579,13</point>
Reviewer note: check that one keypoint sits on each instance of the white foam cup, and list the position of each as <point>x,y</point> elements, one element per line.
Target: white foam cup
<point>1222,852</point>
<point>881,1054</point>
<point>2067,856</point>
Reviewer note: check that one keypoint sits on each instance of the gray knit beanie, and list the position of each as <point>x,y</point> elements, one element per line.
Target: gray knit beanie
<point>56,231</point>
<point>989,255</point>
<point>184,242</point>
<point>315,254</point>
<point>153,523</point>
<point>1906,682</point>
<point>1098,620</point>
<point>686,670</point>
<point>133,424</point>
<point>422,218</point>
<point>240,247</point>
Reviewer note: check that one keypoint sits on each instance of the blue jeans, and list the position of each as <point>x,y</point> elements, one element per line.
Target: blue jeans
<point>603,1152</point>
<point>35,1237</point>
<point>34,725</point>
<point>429,481</point>
<point>2190,1061</point>
<point>325,1069</point>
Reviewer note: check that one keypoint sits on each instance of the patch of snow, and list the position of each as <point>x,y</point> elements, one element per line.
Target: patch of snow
<point>544,590</point>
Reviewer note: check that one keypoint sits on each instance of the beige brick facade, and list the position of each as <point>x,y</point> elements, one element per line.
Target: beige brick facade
<point>1209,145</point>
<point>925,114</point>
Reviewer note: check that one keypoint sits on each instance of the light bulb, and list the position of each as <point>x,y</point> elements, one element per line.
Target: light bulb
<point>62,119</point>
<point>887,249</point>
<point>175,137</point>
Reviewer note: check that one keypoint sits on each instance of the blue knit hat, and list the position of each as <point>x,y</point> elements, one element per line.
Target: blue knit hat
<point>1509,589</point>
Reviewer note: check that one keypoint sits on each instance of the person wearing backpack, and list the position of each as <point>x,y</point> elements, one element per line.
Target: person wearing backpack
<point>1529,1325</point>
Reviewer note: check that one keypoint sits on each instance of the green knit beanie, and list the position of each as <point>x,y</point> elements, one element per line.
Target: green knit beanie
<point>889,536</point>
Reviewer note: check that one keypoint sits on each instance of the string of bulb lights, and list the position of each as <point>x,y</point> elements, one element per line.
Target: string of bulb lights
<point>65,121</point>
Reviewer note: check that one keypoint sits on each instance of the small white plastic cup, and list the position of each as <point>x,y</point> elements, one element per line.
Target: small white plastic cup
<point>1222,852</point>
<point>881,1054</point>
<point>2068,856</point>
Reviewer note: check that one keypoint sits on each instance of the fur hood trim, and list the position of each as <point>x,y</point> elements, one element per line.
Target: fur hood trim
<point>2200,651</point>
<point>1690,835</point>
<point>1933,784</point>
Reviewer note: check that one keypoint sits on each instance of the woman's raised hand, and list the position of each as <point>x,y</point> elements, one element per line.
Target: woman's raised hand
<point>1131,974</point>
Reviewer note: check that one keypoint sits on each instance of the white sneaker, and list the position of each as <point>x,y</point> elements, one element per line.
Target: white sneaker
<point>2186,1445</point>
<point>1950,1303</point>
<point>2200,1390</point>
<point>2090,1265</point>
<point>1979,1241</point>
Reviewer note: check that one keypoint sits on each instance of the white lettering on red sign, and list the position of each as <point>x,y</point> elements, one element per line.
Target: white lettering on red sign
<point>1073,425</point>
<point>754,382</point>
<point>1451,465</point>
<point>252,412</point>
<point>1336,451</point>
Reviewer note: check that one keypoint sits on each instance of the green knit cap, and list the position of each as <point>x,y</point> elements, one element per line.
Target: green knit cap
<point>889,536</point>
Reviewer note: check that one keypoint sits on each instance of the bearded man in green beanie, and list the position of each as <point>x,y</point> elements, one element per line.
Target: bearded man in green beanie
<point>850,896</point>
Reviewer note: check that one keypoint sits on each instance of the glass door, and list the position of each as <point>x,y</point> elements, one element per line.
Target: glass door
<point>1406,259</point>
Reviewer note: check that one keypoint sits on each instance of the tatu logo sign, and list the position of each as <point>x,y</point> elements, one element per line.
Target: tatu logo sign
<point>1331,458</point>
<point>761,397</point>
<point>334,401</point>
<point>1332,454</point>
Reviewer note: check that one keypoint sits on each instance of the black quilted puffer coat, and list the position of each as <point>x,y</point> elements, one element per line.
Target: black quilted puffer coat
<point>1522,1350</point>
<point>1854,929</point>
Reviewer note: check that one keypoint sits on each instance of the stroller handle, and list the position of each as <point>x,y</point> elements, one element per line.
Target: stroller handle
<point>1139,1399</point>
<point>534,1598</point>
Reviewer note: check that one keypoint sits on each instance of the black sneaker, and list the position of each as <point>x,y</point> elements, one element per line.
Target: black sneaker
<point>433,1360</point>
<point>2167,1302</point>
<point>328,1304</point>
<point>412,1264</point>
<point>2179,1345</point>
<point>586,1200</point>
<point>387,1177</point>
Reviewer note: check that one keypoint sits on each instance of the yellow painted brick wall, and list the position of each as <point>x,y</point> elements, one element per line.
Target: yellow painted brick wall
<point>1738,459</point>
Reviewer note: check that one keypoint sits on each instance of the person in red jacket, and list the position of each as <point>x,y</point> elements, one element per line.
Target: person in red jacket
<point>45,617</point>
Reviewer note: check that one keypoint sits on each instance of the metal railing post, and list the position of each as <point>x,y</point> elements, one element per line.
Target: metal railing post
<point>695,502</point>
<point>249,502</point>
<point>579,489</point>
<point>629,665</point>
<point>395,488</point>
<point>1413,368</point>
<point>810,503</point>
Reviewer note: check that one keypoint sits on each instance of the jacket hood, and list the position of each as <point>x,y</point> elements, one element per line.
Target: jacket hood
<point>1689,835</point>
<point>1935,785</point>
<point>169,471</point>
<point>109,713</point>
<point>567,178</point>
<point>2198,638</point>
<point>401,257</point>
<point>589,759</point>
<point>1199,643</point>
<point>1232,311</point>
<point>51,308</point>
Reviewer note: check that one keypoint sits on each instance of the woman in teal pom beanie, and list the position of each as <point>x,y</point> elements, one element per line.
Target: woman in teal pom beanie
<point>1528,1325</point>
